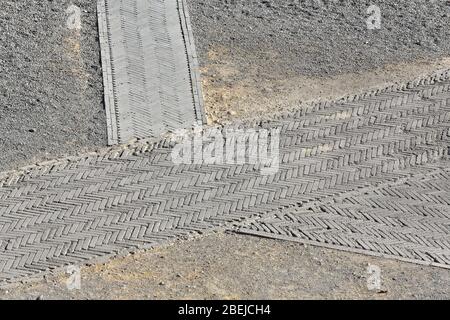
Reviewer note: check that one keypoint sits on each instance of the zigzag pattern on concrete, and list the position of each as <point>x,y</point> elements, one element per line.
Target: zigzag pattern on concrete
<point>408,221</point>
<point>150,68</point>
<point>68,212</point>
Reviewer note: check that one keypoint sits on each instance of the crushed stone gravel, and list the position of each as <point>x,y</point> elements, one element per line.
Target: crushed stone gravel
<point>51,90</point>
<point>321,37</point>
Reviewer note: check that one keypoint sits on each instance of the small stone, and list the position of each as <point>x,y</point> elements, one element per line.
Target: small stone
<point>162,283</point>
<point>213,118</point>
<point>32,130</point>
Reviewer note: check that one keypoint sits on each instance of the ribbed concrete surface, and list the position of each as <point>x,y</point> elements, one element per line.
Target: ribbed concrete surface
<point>150,68</point>
<point>408,221</point>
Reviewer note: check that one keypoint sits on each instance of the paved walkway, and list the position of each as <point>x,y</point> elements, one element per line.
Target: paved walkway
<point>150,68</point>
<point>408,221</point>
<point>134,196</point>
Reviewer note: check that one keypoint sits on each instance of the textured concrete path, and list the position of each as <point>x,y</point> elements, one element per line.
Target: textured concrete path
<point>408,221</point>
<point>134,196</point>
<point>150,68</point>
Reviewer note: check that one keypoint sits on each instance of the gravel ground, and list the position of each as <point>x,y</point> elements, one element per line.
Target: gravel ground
<point>206,268</point>
<point>262,55</point>
<point>50,85</point>
<point>317,38</point>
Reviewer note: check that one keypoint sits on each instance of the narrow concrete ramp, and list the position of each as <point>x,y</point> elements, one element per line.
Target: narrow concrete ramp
<point>150,68</point>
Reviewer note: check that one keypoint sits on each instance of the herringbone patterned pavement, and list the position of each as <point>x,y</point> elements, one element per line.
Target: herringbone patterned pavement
<point>150,68</point>
<point>72,211</point>
<point>408,221</point>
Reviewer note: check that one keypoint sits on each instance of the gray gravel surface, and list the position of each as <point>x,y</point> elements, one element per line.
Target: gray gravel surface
<point>321,37</point>
<point>265,56</point>
<point>51,101</point>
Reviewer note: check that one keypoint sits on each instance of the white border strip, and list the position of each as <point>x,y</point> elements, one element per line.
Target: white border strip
<point>108,84</point>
